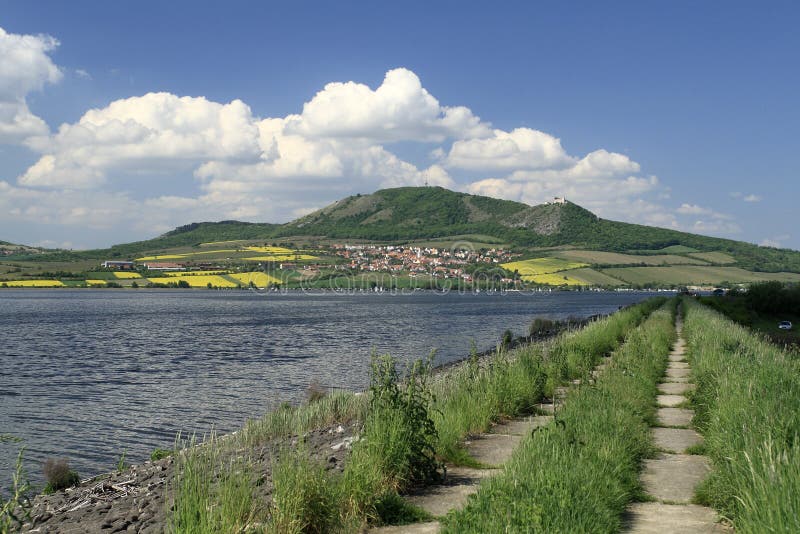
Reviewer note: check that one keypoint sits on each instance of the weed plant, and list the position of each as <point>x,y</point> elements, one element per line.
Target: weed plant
<point>58,475</point>
<point>747,406</point>
<point>15,511</point>
<point>579,473</point>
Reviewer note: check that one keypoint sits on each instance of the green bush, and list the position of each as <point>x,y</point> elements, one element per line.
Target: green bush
<point>160,454</point>
<point>399,434</point>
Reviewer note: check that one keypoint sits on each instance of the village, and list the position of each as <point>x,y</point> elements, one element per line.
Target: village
<point>415,261</point>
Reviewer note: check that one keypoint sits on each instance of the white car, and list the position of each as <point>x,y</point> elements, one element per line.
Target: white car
<point>785,325</point>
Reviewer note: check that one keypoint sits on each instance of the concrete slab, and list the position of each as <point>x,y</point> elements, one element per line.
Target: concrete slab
<point>492,449</point>
<point>678,379</point>
<point>658,518</point>
<point>674,416</point>
<point>417,528</point>
<point>673,477</point>
<point>675,388</point>
<point>678,365</point>
<point>670,401</point>
<point>521,427</point>
<point>676,440</point>
<point>678,373</point>
<point>675,357</point>
<point>461,483</point>
<point>546,408</point>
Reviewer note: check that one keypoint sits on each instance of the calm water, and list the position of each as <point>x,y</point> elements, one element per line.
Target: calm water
<point>90,374</point>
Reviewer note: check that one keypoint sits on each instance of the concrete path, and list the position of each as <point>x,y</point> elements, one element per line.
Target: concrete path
<point>671,478</point>
<point>491,449</point>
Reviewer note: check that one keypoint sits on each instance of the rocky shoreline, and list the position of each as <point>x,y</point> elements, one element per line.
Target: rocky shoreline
<point>137,499</point>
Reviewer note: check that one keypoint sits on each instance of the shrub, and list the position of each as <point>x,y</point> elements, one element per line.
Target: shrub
<point>540,327</point>
<point>58,475</point>
<point>315,392</point>
<point>160,454</point>
<point>399,429</point>
<point>507,339</point>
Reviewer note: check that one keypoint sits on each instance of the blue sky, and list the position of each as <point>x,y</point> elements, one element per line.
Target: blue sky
<point>679,114</point>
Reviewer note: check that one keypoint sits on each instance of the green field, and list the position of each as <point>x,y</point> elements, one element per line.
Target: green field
<point>714,257</point>
<point>468,241</point>
<point>693,274</point>
<point>596,257</point>
<point>539,266</point>
<point>672,249</point>
<point>593,277</point>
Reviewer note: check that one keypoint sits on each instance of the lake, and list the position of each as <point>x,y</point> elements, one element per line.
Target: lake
<point>90,374</point>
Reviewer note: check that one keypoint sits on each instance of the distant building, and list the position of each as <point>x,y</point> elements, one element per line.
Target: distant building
<point>120,265</point>
<point>559,200</point>
<point>164,266</point>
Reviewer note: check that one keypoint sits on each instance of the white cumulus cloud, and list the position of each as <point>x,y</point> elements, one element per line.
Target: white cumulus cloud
<point>522,148</point>
<point>24,67</point>
<point>399,109</point>
<point>158,132</point>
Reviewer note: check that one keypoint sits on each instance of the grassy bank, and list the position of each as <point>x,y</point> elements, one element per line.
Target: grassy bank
<point>579,473</point>
<point>747,406</point>
<point>412,422</point>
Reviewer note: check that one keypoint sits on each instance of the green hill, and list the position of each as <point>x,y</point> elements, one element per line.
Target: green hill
<point>432,213</point>
<point>412,213</point>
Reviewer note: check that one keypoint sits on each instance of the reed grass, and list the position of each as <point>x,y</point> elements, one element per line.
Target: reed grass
<point>213,491</point>
<point>747,406</point>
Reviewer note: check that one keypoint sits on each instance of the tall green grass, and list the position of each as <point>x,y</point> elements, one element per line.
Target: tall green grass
<point>747,406</point>
<point>410,421</point>
<point>579,473</point>
<point>513,382</point>
<point>213,489</point>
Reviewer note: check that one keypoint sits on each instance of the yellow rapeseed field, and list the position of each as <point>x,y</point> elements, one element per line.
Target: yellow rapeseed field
<point>271,250</point>
<point>183,256</point>
<point>32,283</point>
<point>192,273</point>
<point>282,257</point>
<point>259,279</point>
<point>196,281</point>
<point>555,279</point>
<point>96,282</point>
<point>539,266</point>
<point>126,276</point>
